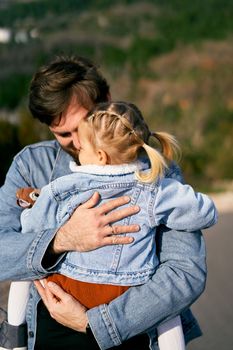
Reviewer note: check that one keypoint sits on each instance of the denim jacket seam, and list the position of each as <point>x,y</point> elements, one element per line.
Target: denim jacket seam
<point>152,205</point>
<point>19,158</point>
<point>55,163</point>
<point>43,145</point>
<point>118,250</point>
<point>31,253</point>
<point>121,185</point>
<point>117,185</point>
<point>22,169</point>
<point>151,209</point>
<point>112,330</point>
<point>61,195</point>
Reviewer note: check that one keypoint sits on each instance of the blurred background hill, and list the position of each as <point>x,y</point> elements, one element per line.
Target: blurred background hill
<point>172,58</point>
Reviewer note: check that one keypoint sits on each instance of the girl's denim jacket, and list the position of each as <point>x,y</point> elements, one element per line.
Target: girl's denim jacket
<point>165,201</point>
<point>177,283</point>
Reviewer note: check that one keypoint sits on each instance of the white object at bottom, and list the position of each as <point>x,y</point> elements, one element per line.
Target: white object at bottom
<point>170,335</point>
<point>17,303</point>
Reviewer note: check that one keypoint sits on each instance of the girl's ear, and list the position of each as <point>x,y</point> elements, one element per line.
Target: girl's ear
<point>102,157</point>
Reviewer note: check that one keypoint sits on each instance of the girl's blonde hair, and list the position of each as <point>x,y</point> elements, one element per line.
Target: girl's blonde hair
<point>120,130</point>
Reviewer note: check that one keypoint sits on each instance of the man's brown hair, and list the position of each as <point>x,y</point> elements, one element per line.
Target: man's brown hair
<point>53,86</point>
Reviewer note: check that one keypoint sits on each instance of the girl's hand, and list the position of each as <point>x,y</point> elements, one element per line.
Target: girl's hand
<point>62,306</point>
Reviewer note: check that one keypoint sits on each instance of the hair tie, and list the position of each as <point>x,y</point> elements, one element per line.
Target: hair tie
<point>133,132</point>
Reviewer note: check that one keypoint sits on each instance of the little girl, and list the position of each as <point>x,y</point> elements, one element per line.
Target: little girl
<point>116,160</point>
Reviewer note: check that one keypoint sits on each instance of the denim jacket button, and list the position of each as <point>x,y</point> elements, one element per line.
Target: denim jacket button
<point>31,334</point>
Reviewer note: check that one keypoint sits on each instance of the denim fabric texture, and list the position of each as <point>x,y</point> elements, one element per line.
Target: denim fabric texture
<point>175,285</point>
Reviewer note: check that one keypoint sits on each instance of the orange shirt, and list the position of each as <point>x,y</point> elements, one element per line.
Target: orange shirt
<point>89,294</point>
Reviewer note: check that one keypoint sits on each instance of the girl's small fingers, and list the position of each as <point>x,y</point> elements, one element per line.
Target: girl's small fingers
<point>49,294</point>
<point>41,290</point>
<point>42,282</point>
<point>39,287</point>
<point>56,290</point>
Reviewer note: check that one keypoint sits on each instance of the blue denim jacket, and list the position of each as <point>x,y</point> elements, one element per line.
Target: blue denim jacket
<point>165,201</point>
<point>176,284</point>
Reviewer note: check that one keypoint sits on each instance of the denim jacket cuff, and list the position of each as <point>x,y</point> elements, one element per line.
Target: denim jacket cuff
<point>103,327</point>
<point>38,251</point>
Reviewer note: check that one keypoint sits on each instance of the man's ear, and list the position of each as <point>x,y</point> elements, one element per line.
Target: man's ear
<point>102,157</point>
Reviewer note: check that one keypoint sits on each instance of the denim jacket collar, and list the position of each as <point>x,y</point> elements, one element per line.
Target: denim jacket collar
<point>61,165</point>
<point>117,169</point>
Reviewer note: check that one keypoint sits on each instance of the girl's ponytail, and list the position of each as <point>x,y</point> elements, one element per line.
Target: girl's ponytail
<point>158,162</point>
<point>170,147</point>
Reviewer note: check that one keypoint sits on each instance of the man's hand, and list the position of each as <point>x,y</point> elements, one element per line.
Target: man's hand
<point>62,306</point>
<point>90,227</point>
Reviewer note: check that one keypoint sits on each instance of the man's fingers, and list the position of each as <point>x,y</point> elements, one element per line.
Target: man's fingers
<point>120,214</point>
<point>41,291</point>
<point>113,240</point>
<point>50,296</point>
<point>39,287</point>
<point>113,234</point>
<point>117,230</point>
<point>113,204</point>
<point>91,202</point>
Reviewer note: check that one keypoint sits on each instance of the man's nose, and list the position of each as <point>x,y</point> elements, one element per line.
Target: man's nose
<point>76,143</point>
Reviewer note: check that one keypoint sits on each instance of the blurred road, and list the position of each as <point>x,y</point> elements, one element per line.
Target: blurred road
<point>214,309</point>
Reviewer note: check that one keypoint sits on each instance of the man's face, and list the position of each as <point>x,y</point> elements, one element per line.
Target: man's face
<point>87,152</point>
<point>65,129</point>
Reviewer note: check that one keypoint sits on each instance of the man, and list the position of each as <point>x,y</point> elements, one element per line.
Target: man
<point>61,94</point>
